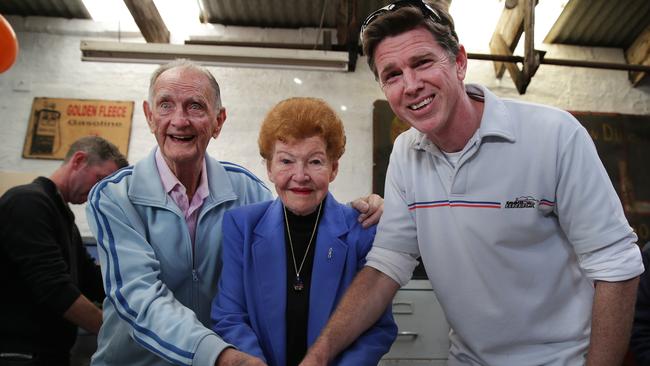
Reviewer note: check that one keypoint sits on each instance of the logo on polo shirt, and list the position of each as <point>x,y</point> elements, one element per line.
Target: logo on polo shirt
<point>522,202</point>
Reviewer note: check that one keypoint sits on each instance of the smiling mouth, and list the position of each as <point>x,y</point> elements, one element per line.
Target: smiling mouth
<point>182,138</point>
<point>301,190</point>
<point>423,103</point>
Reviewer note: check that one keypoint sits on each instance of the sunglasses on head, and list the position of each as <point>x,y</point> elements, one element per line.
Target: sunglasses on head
<point>425,8</point>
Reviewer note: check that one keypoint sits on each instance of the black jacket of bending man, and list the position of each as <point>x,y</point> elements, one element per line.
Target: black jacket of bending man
<point>44,268</point>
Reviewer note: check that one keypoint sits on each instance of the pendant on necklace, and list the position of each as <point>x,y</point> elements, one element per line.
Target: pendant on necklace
<point>298,285</point>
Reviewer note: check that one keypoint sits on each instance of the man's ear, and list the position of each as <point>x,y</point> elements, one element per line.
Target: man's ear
<point>149,115</point>
<point>461,63</point>
<point>78,160</point>
<point>221,119</point>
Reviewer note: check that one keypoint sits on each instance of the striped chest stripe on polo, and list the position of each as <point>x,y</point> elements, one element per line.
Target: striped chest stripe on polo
<point>454,203</point>
<point>544,202</point>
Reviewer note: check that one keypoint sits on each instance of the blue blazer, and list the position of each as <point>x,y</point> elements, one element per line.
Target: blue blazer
<point>249,309</point>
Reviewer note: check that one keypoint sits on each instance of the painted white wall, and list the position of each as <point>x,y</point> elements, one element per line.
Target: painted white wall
<point>49,65</point>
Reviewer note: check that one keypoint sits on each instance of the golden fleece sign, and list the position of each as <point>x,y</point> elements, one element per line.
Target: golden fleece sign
<point>55,123</point>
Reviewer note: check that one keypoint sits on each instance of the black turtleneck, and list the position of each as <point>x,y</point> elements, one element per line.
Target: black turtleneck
<point>297,313</point>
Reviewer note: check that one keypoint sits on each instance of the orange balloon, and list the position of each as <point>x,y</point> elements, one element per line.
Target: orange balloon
<point>8,45</point>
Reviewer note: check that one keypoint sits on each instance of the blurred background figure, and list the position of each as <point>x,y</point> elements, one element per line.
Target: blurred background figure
<point>48,279</point>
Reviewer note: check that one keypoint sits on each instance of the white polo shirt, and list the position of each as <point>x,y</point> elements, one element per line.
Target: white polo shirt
<point>501,233</point>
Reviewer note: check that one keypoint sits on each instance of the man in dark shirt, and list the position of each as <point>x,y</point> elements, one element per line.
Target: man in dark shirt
<point>47,278</point>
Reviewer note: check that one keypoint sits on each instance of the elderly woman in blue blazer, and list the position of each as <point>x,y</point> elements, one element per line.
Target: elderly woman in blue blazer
<point>288,262</point>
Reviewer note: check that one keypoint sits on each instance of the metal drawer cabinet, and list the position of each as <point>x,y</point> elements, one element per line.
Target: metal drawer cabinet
<point>423,332</point>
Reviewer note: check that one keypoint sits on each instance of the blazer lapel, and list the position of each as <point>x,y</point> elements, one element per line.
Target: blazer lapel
<point>271,267</point>
<point>329,263</point>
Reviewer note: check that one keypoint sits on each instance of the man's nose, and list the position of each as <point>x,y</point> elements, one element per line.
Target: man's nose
<point>179,118</point>
<point>412,81</point>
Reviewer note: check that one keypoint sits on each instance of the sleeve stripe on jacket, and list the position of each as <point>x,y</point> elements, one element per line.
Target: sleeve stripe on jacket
<point>115,268</point>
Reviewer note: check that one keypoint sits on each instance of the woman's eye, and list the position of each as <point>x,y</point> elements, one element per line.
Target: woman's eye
<point>285,161</point>
<point>316,162</point>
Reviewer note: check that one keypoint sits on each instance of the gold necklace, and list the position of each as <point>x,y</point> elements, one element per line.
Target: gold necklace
<point>298,284</point>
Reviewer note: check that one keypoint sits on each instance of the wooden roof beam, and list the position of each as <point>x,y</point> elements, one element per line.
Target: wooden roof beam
<point>639,53</point>
<point>517,17</point>
<point>149,21</point>
<point>507,33</point>
<point>347,30</point>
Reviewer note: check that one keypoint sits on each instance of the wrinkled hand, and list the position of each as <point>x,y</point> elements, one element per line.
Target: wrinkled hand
<point>370,208</point>
<point>312,359</point>
<point>232,357</point>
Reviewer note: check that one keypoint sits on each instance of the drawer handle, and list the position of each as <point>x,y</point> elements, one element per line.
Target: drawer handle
<point>413,335</point>
<point>402,307</point>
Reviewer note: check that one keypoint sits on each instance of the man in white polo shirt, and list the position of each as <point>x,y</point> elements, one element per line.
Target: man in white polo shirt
<point>522,235</point>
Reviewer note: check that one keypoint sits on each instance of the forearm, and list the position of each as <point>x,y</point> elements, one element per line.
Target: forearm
<point>85,314</point>
<point>363,303</point>
<point>611,321</point>
<point>232,357</point>
<point>375,342</point>
<point>640,340</point>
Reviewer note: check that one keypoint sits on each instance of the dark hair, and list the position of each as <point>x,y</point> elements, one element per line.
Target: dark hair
<point>98,149</point>
<point>404,19</point>
<point>299,118</point>
<point>186,64</point>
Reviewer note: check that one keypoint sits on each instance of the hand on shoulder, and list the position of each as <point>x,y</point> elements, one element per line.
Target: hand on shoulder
<point>370,209</point>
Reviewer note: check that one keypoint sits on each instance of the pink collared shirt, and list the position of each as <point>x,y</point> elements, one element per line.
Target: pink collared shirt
<point>177,192</point>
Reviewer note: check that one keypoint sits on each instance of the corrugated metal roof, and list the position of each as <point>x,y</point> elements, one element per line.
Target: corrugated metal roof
<point>600,23</point>
<point>48,8</point>
<point>603,23</point>
<point>263,13</point>
<point>283,13</point>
